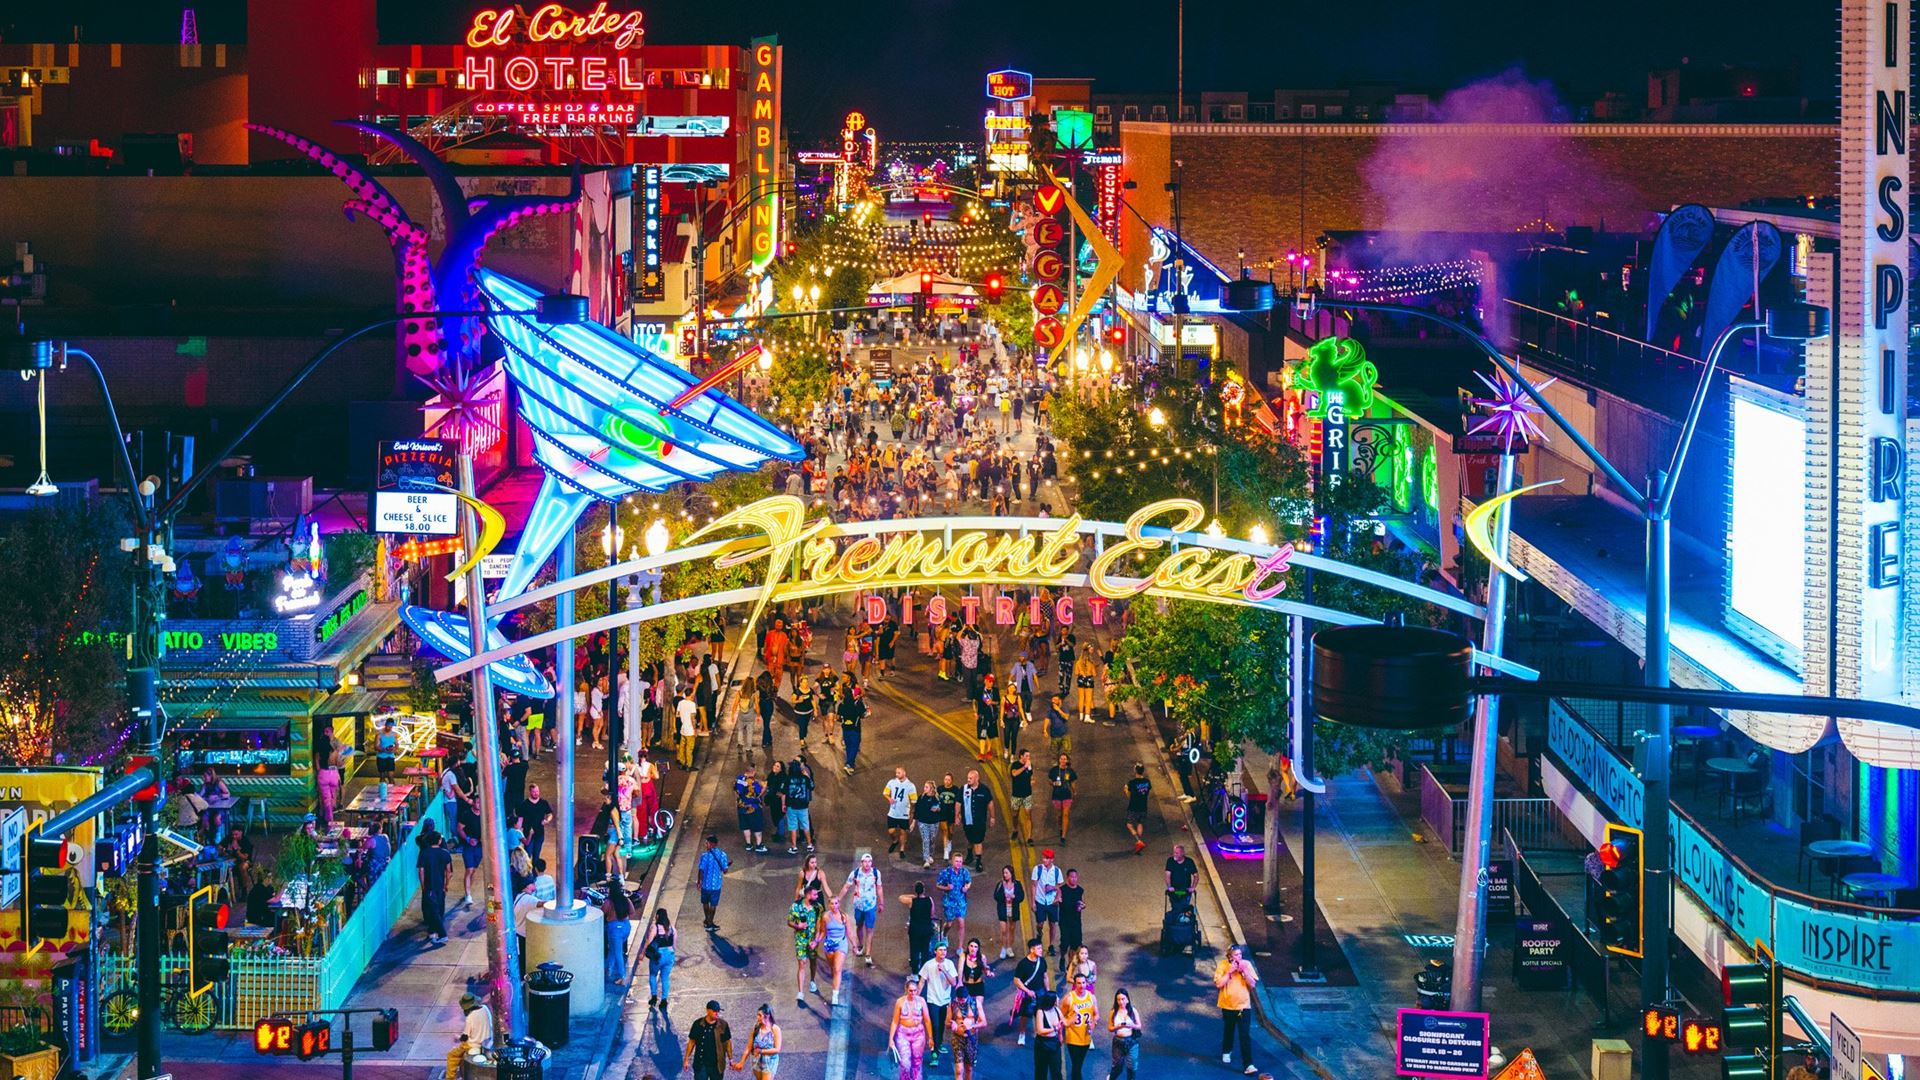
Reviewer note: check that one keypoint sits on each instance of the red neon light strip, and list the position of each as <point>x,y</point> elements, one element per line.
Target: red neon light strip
<point>716,378</point>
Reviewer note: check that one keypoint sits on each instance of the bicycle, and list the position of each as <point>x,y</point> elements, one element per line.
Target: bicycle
<point>120,1011</point>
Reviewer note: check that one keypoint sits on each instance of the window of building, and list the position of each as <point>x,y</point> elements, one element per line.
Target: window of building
<point>1103,114</point>
<point>1309,112</point>
<point>386,77</point>
<point>1283,112</point>
<point>1129,112</point>
<point>1236,112</point>
<point>1261,112</point>
<point>1335,112</point>
<point>1216,113</point>
<point>1159,112</point>
<point>1188,112</point>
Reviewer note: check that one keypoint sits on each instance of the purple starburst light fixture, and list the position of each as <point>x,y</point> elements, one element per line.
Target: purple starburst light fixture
<point>1509,412</point>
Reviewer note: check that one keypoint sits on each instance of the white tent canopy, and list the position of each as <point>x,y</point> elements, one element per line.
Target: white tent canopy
<point>909,283</point>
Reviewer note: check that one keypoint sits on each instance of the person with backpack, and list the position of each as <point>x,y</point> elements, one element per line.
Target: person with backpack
<point>799,804</point>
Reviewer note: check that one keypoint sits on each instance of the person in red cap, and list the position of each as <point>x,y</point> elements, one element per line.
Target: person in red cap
<point>1045,881</point>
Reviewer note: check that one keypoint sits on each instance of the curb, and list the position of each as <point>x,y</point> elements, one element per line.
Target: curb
<point>1233,926</point>
<point>701,782</point>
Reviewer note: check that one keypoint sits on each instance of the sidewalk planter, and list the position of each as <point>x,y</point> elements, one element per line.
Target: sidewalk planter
<point>41,1064</point>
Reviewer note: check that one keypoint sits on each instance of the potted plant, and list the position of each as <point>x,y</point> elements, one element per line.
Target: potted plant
<point>293,865</point>
<point>26,1053</point>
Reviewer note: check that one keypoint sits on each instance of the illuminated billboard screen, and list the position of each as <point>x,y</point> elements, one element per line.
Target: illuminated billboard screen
<point>1766,549</point>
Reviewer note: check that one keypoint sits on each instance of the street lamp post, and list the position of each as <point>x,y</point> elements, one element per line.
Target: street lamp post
<point>611,538</point>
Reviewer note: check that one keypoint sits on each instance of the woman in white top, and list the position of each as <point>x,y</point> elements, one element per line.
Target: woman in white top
<point>1124,1022</point>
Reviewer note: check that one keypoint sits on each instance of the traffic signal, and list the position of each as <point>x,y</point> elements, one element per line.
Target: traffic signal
<point>1750,1023</point>
<point>1117,336</point>
<point>926,218</point>
<point>995,286</point>
<point>1619,901</point>
<point>207,941</point>
<point>312,1039</point>
<point>1660,1023</point>
<point>43,888</point>
<point>273,1035</point>
<point>386,1029</point>
<point>926,283</point>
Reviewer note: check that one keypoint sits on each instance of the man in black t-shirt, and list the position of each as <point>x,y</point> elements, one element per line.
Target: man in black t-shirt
<point>1029,982</point>
<point>1180,872</point>
<point>435,863</point>
<point>709,1045</point>
<point>1073,904</point>
<point>1138,788</point>
<point>535,813</point>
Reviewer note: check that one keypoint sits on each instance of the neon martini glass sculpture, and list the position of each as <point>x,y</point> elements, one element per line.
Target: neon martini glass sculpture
<point>609,418</point>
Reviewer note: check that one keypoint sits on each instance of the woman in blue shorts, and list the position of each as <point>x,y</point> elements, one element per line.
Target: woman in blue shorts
<point>830,944</point>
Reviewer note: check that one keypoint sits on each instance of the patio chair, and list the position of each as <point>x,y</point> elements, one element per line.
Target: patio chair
<point>1751,788</point>
<point>1812,831</point>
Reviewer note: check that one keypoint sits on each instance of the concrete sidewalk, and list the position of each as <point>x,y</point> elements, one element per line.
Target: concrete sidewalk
<point>1391,902</point>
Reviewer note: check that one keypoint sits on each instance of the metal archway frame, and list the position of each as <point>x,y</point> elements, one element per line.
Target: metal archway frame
<point>774,590</point>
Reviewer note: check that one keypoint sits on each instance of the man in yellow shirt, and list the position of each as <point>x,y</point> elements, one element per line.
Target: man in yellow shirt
<point>1234,977</point>
<point>1079,1010</point>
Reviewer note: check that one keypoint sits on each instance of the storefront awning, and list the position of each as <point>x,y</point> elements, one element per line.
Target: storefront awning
<point>351,702</point>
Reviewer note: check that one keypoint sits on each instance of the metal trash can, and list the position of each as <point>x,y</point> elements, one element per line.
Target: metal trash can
<point>527,1058</point>
<point>522,1060</point>
<point>549,1005</point>
<point>1433,986</point>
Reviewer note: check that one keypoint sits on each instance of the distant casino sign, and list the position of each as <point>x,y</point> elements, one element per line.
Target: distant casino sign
<point>511,28</point>
<point>552,23</point>
<point>1009,85</point>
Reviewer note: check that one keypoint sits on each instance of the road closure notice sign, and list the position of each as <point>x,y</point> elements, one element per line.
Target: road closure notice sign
<point>1441,1044</point>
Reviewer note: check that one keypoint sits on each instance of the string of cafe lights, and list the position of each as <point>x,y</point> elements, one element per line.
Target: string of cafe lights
<point>1154,456</point>
<point>1401,282</point>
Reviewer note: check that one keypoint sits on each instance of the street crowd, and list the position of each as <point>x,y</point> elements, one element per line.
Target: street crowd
<point>945,434</point>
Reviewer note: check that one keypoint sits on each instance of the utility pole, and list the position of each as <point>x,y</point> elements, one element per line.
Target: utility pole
<point>1470,922</point>
<point>565,724</point>
<point>1656,769</point>
<point>503,951</point>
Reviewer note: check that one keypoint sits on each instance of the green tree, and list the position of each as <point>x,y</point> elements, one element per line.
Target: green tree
<point>1221,665</point>
<point>65,587</point>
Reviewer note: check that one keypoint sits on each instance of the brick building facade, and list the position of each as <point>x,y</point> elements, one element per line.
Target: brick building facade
<point>1270,188</point>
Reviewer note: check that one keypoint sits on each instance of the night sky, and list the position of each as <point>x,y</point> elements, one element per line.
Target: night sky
<point>915,66</point>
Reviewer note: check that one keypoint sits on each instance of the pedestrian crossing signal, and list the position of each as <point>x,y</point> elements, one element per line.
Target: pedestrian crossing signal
<point>1660,1022</point>
<point>312,1039</point>
<point>273,1035</point>
<point>386,1029</point>
<point>1698,1036</point>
